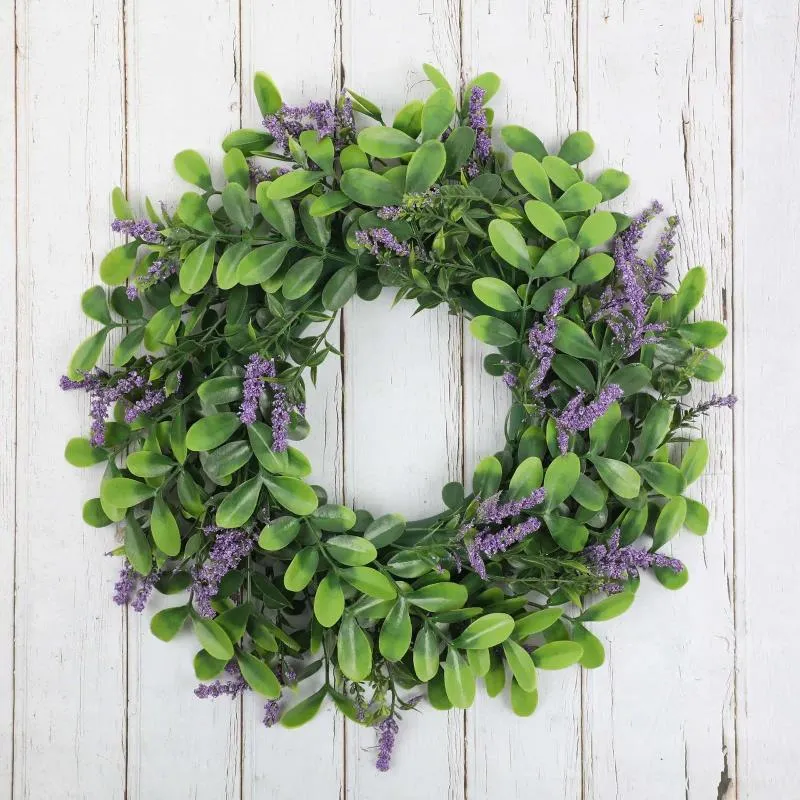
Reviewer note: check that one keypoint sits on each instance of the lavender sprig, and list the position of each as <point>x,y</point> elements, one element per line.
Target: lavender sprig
<point>579,417</point>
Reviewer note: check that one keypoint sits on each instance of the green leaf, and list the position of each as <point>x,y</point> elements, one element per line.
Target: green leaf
<point>293,494</point>
<point>236,169</point>
<point>240,505</point>
<point>384,142</point>
<point>568,533</point>
<point>597,229</point>
<point>329,203</point>
<point>369,189</point>
<point>353,157</point>
<point>262,263</point>
<point>193,210</point>
<point>546,219</point>
<point>329,601</point>
<point>696,517</point>
<point>278,213</point>
<point>492,330</point>
<point>213,638</point>
<point>609,607</point>
<point>196,270</point>
<point>80,453</point>
<point>291,462</point>
<point>436,597</point>
<point>160,330</point>
<point>527,477</point>
<point>234,620</point>
<point>709,369</point>
<point>354,551</point>
<point>437,113</point>
<point>334,518</point>
<point>536,622</point>
<point>612,183</point>
<point>85,357</point>
<point>670,579</point>
<point>557,259</point>
<point>293,183</point>
<point>486,631</point>
<point>247,140</point>
<point>593,268</point>
<point>523,141</point>
<point>631,378</point>
<point>521,664</point>
<point>573,340</point>
<point>459,680</point>
<point>664,478</point>
<point>704,334</point>
<point>339,289</point>
<point>320,151</point>
<point>509,244</point>
<point>166,624</point>
<point>488,81</point>
<point>589,494</point>
<point>222,390</point>
<point>164,528</point>
<point>137,546</point>
<point>580,196</point>
<point>301,277</point>
<point>530,173</point>
<point>573,372</point>
<point>523,703</point>
<point>206,667</point>
<point>94,515</point>
<point>395,636</point>
<point>577,147</point>
<point>260,678</point>
<point>486,478</point>
<point>236,203</point>
<point>560,173</point>
<point>210,432</point>
<point>496,294</point>
<point>128,347</point>
<point>458,148</point>
<point>353,650</point>
<point>120,205</point>
<point>694,460</point>
<point>385,530</point>
<point>593,654</point>
<point>495,678</point>
<point>118,264</point>
<point>426,654</point>
<point>301,569</point>
<point>95,305</point>
<point>370,582</point>
<point>621,478</point>
<point>279,533</point>
<point>124,492</point>
<point>557,655</point>
<point>267,95</point>
<point>669,522</point>
<point>409,118</point>
<point>688,296</point>
<point>425,166</point>
<point>560,479</point>
<point>304,711</point>
<point>655,427</point>
<point>192,167</point>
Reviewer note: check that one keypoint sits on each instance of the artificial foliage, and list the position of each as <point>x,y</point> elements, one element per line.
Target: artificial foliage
<point>222,308</point>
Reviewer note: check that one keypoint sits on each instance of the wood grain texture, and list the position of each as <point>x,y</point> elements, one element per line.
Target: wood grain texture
<point>659,713</point>
<point>276,38</point>
<point>402,382</point>
<point>183,91</point>
<point>69,649</point>
<point>767,50</point>
<point>537,41</point>
<point>8,378</point>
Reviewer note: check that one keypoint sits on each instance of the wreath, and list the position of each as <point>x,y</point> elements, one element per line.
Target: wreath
<point>226,304</point>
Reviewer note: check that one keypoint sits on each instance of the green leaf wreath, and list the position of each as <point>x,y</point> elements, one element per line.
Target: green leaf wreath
<point>226,304</point>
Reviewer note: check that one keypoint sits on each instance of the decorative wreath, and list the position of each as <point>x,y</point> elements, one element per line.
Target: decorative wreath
<point>228,305</point>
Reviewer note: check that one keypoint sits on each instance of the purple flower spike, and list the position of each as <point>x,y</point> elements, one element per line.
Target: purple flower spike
<point>233,687</point>
<point>229,548</point>
<point>387,731</point>
<point>476,119</point>
<point>141,229</point>
<point>728,401</point>
<point>256,368</point>
<point>279,418</point>
<point>579,417</point>
<point>125,585</point>
<point>381,240</point>
<point>320,116</point>
<point>272,713</point>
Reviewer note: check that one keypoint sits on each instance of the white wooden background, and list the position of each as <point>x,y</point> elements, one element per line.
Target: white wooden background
<point>697,100</point>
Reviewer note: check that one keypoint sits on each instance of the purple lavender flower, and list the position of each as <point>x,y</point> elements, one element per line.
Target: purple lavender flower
<point>257,367</point>
<point>141,229</point>
<point>488,544</point>
<point>130,581</point>
<point>490,511</point>
<point>579,417</point>
<point>510,379</point>
<point>131,292</point>
<point>151,400</point>
<point>125,585</point>
<point>145,590</point>
<point>378,240</point>
<point>540,341</point>
<point>476,119</point>
<point>218,688</point>
<point>728,401</point>
<point>389,212</point>
<point>158,271</point>
<point>655,274</point>
<point>87,382</point>
<point>615,563</point>
<point>230,546</point>
<point>387,731</point>
<point>272,713</point>
<point>257,174</point>
<point>279,418</point>
<point>291,121</point>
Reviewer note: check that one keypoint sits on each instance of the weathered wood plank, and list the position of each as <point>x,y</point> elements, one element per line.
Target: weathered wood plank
<point>530,45</point>
<point>655,94</point>
<point>767,121</point>
<point>277,38</point>
<point>183,91</point>
<point>8,380</point>
<point>402,384</point>
<point>69,737</point>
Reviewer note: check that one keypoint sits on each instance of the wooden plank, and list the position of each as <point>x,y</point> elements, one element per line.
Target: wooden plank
<point>402,384</point>
<point>69,738</point>
<point>8,380</point>
<point>768,431</point>
<point>655,94</point>
<point>293,31</point>
<point>530,45</point>
<point>183,91</point>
